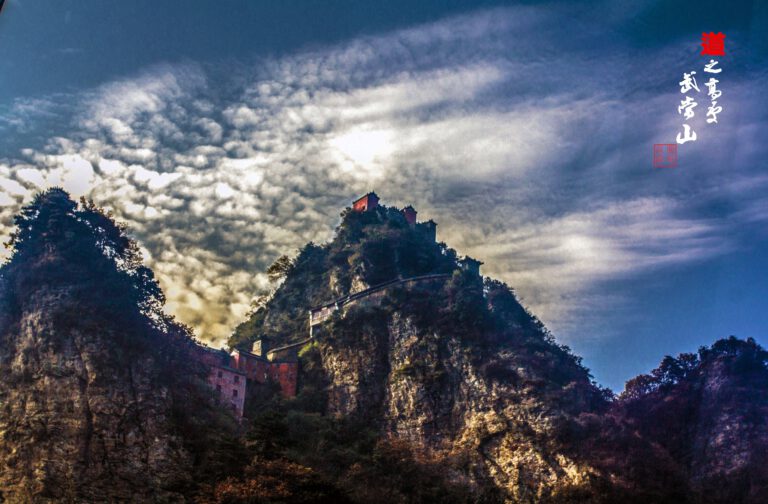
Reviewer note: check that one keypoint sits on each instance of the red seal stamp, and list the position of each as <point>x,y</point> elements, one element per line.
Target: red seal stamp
<point>664,155</point>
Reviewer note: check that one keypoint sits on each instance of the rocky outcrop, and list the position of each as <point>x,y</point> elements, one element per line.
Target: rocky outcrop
<point>456,367</point>
<point>425,387</point>
<point>730,436</point>
<point>462,373</point>
<point>710,417</point>
<point>77,422</point>
<point>100,400</point>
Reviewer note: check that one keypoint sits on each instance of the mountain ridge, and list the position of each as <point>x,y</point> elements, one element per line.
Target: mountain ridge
<point>490,340</point>
<point>437,391</point>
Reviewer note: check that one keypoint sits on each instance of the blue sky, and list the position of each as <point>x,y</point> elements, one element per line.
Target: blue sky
<point>227,133</point>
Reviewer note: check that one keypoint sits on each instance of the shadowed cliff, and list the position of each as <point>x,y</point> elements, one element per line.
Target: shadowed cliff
<point>97,385</point>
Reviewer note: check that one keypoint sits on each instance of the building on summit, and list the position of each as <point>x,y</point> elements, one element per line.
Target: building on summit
<point>470,265</point>
<point>429,229</point>
<point>370,201</point>
<point>410,215</point>
<point>366,203</point>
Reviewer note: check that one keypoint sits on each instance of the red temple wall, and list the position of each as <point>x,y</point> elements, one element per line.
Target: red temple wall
<point>286,374</point>
<point>367,202</point>
<point>230,385</point>
<point>256,369</point>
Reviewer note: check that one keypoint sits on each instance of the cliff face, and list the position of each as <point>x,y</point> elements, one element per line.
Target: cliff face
<point>77,421</point>
<point>427,388</point>
<point>95,382</point>
<point>708,411</point>
<point>443,389</point>
<point>729,442</point>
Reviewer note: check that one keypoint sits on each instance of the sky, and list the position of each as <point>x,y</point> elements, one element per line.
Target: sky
<point>228,133</point>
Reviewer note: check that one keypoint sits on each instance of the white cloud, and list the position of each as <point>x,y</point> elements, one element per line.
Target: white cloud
<point>523,164</point>
<point>554,261</point>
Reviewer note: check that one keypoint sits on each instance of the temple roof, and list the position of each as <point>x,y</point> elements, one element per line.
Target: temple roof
<point>366,195</point>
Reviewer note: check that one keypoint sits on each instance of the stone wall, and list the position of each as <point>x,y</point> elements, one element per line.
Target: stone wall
<point>372,295</point>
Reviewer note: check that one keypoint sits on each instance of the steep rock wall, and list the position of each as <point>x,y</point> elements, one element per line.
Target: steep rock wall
<point>425,388</point>
<point>79,422</point>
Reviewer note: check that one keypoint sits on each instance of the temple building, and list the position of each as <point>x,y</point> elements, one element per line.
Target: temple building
<point>370,202</point>
<point>229,374</point>
<point>428,228</point>
<point>410,215</point>
<point>365,203</point>
<point>470,265</point>
<point>259,368</point>
<point>228,381</point>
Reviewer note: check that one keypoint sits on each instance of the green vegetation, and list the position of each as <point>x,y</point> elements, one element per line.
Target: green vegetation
<point>377,246</point>
<point>297,454</point>
<point>742,356</point>
<point>369,247</point>
<point>666,424</point>
<point>498,334</point>
<point>639,444</point>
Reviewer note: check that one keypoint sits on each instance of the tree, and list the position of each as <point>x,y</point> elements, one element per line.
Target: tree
<point>44,218</point>
<point>638,387</point>
<point>280,268</point>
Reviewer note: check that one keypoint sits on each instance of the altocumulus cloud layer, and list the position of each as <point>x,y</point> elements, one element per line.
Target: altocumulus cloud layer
<point>530,145</point>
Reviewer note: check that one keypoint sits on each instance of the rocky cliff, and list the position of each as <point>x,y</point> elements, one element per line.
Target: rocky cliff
<point>457,368</point>
<point>428,388</point>
<point>464,375</point>
<point>94,378</point>
<point>72,412</point>
<point>708,412</point>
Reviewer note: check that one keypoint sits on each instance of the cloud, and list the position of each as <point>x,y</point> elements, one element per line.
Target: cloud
<point>532,155</point>
<point>553,260</point>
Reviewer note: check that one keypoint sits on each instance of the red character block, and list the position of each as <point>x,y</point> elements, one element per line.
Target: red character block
<point>664,155</point>
<point>713,44</point>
